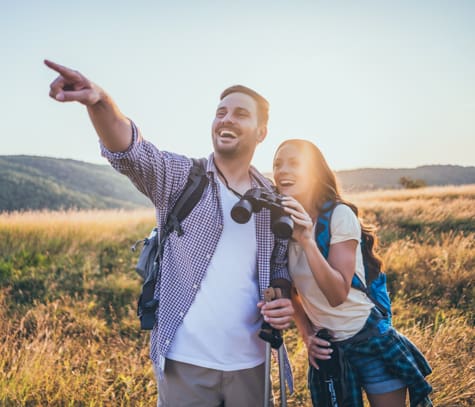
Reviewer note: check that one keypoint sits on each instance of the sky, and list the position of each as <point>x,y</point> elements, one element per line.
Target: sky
<point>381,84</point>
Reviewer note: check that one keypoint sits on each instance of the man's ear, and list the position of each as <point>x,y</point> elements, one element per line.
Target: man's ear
<point>261,133</point>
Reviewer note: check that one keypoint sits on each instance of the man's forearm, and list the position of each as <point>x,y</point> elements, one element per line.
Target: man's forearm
<point>112,127</point>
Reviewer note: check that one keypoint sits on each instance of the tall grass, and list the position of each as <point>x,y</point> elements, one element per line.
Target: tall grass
<point>69,335</point>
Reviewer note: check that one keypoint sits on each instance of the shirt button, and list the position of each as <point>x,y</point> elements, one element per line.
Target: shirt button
<point>195,286</point>
<point>167,342</point>
<point>181,314</point>
<point>208,256</point>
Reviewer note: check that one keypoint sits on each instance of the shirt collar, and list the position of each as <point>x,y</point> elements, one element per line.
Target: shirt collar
<point>257,179</point>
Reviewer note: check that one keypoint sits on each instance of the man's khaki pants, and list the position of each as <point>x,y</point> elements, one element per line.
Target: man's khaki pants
<point>185,385</point>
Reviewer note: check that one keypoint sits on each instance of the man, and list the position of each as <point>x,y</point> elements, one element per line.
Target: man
<point>204,346</point>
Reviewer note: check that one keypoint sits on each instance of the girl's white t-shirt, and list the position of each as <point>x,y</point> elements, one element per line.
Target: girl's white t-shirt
<point>348,318</point>
<point>220,331</point>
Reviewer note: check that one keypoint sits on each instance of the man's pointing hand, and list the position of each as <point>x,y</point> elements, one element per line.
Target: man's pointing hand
<point>72,86</point>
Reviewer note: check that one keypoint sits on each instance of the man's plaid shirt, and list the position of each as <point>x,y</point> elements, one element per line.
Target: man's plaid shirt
<point>162,176</point>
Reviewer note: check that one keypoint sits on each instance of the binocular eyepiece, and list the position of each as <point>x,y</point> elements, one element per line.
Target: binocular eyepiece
<point>257,198</point>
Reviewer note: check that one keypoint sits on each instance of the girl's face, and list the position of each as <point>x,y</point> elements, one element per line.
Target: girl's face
<point>294,172</point>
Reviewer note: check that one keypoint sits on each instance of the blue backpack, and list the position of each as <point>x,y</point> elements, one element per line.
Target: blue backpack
<point>376,291</point>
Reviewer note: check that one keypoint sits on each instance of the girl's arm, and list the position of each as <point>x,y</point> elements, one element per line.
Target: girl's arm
<point>317,348</point>
<point>333,276</point>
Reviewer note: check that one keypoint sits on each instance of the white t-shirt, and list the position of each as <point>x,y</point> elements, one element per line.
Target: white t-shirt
<point>348,318</point>
<point>220,331</point>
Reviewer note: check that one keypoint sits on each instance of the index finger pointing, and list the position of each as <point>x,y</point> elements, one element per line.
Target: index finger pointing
<point>67,73</point>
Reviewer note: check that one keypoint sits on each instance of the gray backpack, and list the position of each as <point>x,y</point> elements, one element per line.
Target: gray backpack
<point>148,265</point>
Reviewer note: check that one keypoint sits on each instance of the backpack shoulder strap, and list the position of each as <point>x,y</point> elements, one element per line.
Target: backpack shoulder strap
<point>322,228</point>
<point>196,184</point>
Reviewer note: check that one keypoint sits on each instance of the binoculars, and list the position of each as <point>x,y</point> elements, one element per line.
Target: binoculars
<point>257,198</point>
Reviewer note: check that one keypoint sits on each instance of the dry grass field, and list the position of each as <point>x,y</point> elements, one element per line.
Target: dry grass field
<point>69,335</point>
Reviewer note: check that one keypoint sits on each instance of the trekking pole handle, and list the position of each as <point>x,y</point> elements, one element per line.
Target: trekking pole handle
<point>272,293</point>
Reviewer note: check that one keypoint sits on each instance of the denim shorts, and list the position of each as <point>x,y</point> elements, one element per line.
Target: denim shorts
<point>373,375</point>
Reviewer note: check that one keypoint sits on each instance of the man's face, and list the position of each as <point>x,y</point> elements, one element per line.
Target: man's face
<point>236,130</point>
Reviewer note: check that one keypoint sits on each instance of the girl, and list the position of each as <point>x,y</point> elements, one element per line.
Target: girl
<point>372,354</point>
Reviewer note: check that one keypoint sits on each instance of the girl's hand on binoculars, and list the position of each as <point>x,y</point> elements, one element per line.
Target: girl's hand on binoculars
<point>302,220</point>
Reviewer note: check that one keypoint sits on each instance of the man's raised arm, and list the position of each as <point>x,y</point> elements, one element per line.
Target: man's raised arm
<point>111,125</point>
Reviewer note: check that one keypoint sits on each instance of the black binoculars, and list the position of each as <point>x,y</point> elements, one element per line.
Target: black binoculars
<point>257,198</point>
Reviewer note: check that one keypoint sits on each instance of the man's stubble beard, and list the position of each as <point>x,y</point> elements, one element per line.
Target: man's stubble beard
<point>240,150</point>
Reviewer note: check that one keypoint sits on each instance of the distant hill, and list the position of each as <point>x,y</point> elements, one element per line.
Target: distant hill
<point>30,182</point>
<point>383,178</point>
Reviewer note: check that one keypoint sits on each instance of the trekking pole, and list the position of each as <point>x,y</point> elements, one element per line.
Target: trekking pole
<point>327,374</point>
<point>273,339</point>
<point>267,383</point>
<point>283,398</point>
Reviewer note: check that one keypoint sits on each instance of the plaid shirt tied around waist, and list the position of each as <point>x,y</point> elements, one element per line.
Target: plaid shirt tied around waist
<point>398,353</point>
<point>162,176</point>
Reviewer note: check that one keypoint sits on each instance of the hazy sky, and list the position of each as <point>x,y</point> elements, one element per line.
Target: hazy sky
<point>372,83</point>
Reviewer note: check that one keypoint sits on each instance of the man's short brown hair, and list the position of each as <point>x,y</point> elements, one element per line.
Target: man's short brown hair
<point>262,103</point>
